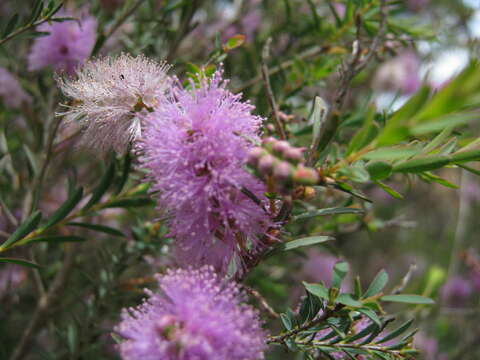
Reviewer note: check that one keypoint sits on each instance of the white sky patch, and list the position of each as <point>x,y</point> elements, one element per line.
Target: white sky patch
<point>446,65</point>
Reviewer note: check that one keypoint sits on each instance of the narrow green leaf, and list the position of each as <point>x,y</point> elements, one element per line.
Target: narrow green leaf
<point>294,244</point>
<point>378,170</point>
<point>317,289</point>
<point>429,177</point>
<point>10,25</point>
<point>422,164</point>
<point>469,169</point>
<point>391,153</point>
<point>125,171</point>
<point>31,159</point>
<point>102,187</point>
<point>409,299</point>
<point>371,315</point>
<point>102,228</point>
<point>65,209</point>
<point>19,262</point>
<point>37,9</point>
<point>340,270</point>
<point>377,284</point>
<point>396,332</point>
<point>23,230</point>
<point>465,156</point>
<point>348,300</point>
<point>328,211</point>
<point>365,135</point>
<point>55,239</point>
<point>286,321</point>
<point>130,202</point>
<point>389,190</point>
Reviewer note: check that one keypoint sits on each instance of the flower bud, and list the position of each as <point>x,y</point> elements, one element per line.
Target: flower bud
<point>265,164</point>
<point>294,154</point>
<point>305,175</point>
<point>281,147</point>
<point>254,155</point>
<point>282,171</point>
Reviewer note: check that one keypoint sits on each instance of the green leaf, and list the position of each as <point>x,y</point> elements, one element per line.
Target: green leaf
<point>365,135</point>
<point>130,202</point>
<point>55,239</point>
<point>429,177</point>
<point>469,169</point>
<point>320,111</point>
<point>310,307</point>
<point>102,228</point>
<point>317,289</point>
<point>389,190</point>
<point>348,300</point>
<point>379,170</point>
<point>340,270</point>
<point>287,323</point>
<point>391,153</point>
<point>102,187</point>
<point>10,25</point>
<point>371,315</point>
<point>234,42</point>
<point>23,230</point>
<point>465,156</point>
<point>409,299</point>
<point>37,9</point>
<point>125,171</point>
<point>19,262</point>
<point>328,211</point>
<point>294,244</point>
<point>422,164</point>
<point>31,159</point>
<point>377,284</point>
<point>396,332</point>
<point>65,209</point>
<point>396,129</point>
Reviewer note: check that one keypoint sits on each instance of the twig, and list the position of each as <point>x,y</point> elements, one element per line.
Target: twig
<point>49,151</point>
<point>117,25</point>
<point>262,301</point>
<point>313,51</point>
<point>45,303</point>
<point>405,280</point>
<point>183,30</point>
<point>268,89</point>
<point>26,28</point>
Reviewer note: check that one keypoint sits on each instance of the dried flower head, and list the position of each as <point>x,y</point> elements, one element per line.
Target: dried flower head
<point>68,44</point>
<point>11,91</point>
<point>195,146</point>
<point>109,97</point>
<point>195,315</point>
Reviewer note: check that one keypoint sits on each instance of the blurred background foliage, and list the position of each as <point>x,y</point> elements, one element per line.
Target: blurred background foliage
<point>402,151</point>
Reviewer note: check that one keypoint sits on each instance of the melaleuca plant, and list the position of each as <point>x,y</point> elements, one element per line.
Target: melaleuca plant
<point>182,180</point>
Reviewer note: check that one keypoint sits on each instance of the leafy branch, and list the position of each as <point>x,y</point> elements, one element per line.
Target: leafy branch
<point>38,17</point>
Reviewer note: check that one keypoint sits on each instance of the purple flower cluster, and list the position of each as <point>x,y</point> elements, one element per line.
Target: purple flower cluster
<point>68,44</point>
<point>11,91</point>
<point>195,315</point>
<point>195,145</point>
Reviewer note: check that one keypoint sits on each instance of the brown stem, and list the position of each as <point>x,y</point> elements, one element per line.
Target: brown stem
<point>262,301</point>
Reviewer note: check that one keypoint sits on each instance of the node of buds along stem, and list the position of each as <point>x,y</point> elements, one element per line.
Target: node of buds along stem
<point>283,163</point>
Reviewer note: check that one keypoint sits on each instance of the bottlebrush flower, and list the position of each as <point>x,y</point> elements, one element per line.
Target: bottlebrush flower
<point>11,91</point>
<point>109,97</point>
<point>195,146</point>
<point>68,44</point>
<point>194,315</point>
